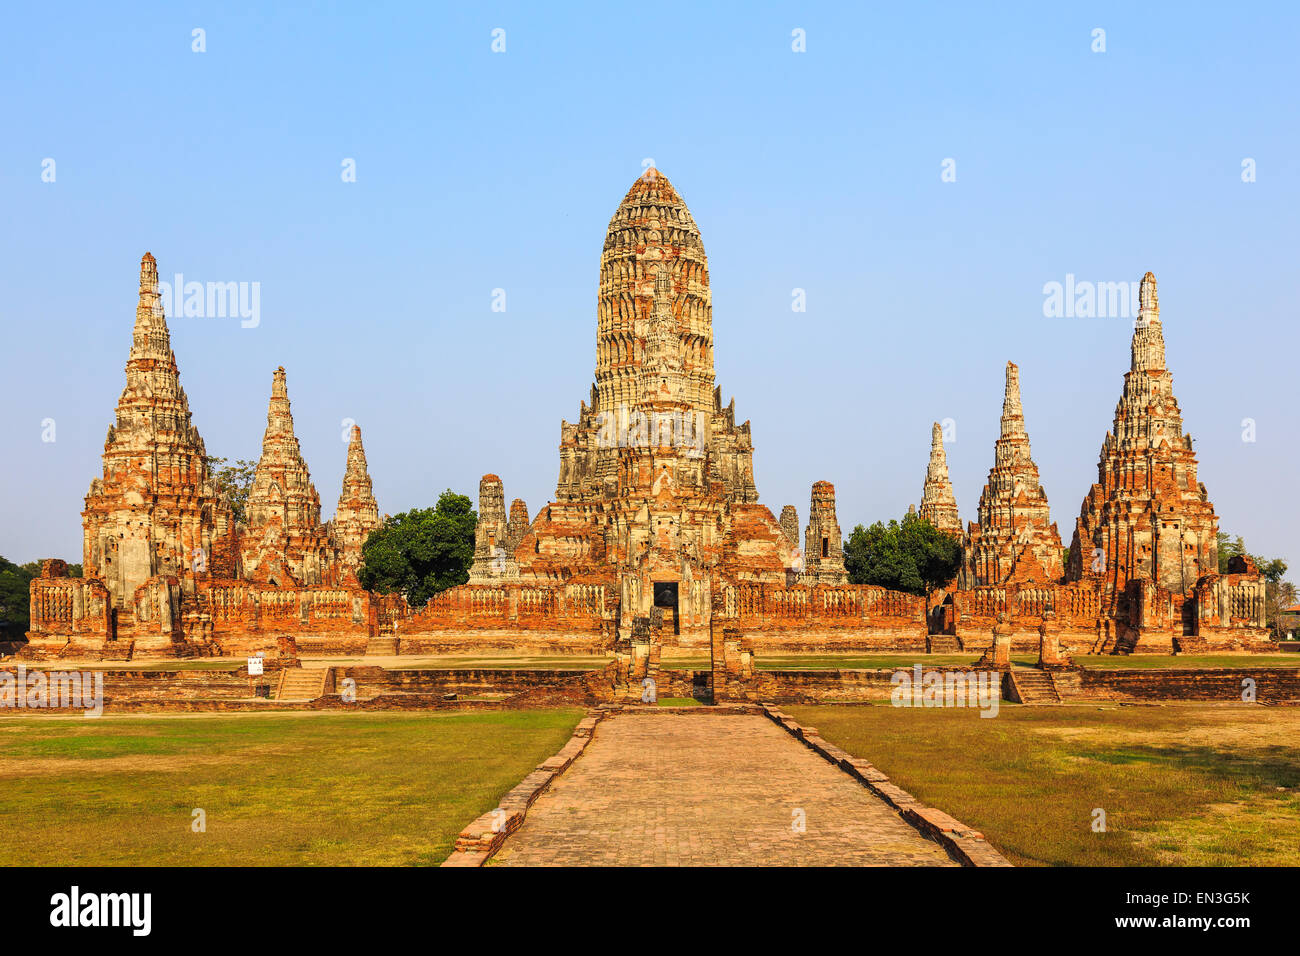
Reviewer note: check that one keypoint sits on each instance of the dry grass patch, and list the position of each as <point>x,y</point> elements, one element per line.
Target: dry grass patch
<point>1185,784</point>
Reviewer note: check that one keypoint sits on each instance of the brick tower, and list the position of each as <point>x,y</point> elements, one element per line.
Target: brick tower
<point>357,513</point>
<point>155,511</point>
<point>1014,541</point>
<point>285,543</point>
<point>938,504</point>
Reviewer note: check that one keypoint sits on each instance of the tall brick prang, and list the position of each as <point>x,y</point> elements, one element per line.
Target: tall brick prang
<point>153,522</point>
<point>285,543</point>
<point>1147,527</point>
<point>357,513</point>
<point>1014,540</point>
<point>938,504</point>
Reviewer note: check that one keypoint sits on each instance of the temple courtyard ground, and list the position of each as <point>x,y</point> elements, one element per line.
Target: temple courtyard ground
<point>1180,784</point>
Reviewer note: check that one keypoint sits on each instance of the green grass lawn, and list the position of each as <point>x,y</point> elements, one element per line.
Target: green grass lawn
<point>190,664</point>
<point>278,789</point>
<point>1181,784</point>
<point>1198,661</point>
<point>778,662</point>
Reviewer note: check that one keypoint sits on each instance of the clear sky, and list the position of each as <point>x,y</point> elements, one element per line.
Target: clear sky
<point>817,170</point>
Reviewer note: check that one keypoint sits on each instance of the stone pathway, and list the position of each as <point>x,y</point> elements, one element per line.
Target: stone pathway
<point>699,790</point>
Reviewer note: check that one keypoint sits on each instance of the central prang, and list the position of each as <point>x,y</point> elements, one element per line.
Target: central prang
<point>656,493</point>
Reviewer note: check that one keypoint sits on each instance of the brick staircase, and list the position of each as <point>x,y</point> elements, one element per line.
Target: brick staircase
<point>119,650</point>
<point>1034,686</point>
<point>301,683</point>
<point>384,645</point>
<point>1187,644</point>
<point>942,644</point>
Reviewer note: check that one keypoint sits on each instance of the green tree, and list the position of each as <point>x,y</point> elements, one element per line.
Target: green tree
<point>15,600</point>
<point>1229,548</point>
<point>233,482</point>
<point>422,551</point>
<point>911,555</point>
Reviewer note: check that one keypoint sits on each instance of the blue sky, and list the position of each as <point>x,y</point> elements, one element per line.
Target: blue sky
<point>818,170</point>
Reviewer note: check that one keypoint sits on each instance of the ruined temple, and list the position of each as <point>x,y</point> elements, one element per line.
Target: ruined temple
<point>167,569</point>
<point>153,522</point>
<point>1014,540</point>
<point>656,507</point>
<point>1146,535</point>
<point>655,537</point>
<point>938,503</point>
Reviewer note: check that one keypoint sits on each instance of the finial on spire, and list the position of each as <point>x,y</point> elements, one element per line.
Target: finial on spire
<point>1148,348</point>
<point>1013,413</point>
<point>1147,297</point>
<point>936,436</point>
<point>279,386</point>
<point>150,304</point>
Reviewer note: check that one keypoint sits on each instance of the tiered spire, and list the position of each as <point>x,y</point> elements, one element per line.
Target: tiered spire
<point>653,254</point>
<point>282,492</point>
<point>1147,516</point>
<point>938,503</point>
<point>1014,540</point>
<point>358,511</point>
<point>153,511</point>
<point>153,412</point>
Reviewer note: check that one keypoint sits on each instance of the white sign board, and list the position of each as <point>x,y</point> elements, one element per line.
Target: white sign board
<point>254,667</point>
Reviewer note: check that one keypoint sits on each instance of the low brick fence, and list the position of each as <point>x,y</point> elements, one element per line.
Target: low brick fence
<point>1271,685</point>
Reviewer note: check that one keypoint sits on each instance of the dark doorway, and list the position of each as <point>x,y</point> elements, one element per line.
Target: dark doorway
<point>666,598</point>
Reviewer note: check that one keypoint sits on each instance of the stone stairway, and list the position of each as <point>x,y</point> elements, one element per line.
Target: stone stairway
<point>1187,644</point>
<point>1034,686</point>
<point>382,645</point>
<point>942,644</point>
<point>301,683</point>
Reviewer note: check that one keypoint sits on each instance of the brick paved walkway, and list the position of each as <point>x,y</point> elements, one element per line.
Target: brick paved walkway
<point>696,790</point>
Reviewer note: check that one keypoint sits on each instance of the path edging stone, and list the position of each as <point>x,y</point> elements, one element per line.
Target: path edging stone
<point>477,843</point>
<point>964,844</point>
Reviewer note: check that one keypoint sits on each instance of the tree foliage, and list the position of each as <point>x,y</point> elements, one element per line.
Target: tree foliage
<point>233,482</point>
<point>422,551</point>
<point>911,555</point>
